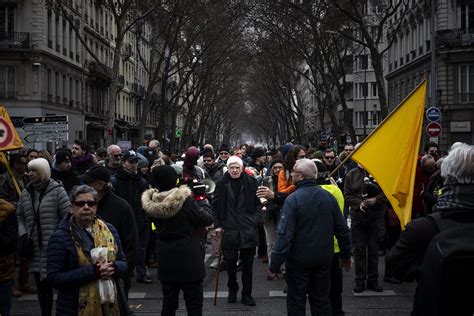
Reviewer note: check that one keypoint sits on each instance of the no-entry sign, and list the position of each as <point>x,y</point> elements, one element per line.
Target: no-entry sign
<point>433,129</point>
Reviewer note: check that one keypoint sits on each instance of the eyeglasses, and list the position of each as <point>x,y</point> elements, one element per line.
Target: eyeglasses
<point>329,158</point>
<point>117,156</point>
<point>223,153</point>
<point>83,203</point>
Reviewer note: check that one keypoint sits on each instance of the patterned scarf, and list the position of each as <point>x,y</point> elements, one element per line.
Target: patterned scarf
<point>456,197</point>
<point>89,298</point>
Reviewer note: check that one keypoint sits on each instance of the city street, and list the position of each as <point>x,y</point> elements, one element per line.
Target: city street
<point>146,299</point>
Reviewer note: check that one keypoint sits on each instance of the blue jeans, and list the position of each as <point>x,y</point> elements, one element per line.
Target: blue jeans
<point>5,298</point>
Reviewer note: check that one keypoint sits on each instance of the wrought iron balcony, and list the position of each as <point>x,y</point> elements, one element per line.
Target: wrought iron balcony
<point>455,38</point>
<point>15,40</point>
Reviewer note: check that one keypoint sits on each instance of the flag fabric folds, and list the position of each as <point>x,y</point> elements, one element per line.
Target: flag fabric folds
<point>9,138</point>
<point>390,152</point>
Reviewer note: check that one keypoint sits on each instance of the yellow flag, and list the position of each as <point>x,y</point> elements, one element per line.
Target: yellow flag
<point>9,138</point>
<point>390,152</point>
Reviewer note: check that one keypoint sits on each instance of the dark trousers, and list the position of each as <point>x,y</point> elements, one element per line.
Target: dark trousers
<point>23,273</point>
<point>262,242</point>
<point>193,297</point>
<point>246,258</point>
<point>315,283</point>
<point>366,238</point>
<point>45,295</point>
<point>5,298</point>
<point>335,292</point>
<point>144,237</point>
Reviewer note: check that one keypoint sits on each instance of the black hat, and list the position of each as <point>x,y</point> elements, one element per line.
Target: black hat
<point>130,156</point>
<point>95,173</point>
<point>150,154</point>
<point>224,147</point>
<point>62,155</point>
<point>101,151</point>
<point>257,152</point>
<point>164,177</point>
<point>322,169</point>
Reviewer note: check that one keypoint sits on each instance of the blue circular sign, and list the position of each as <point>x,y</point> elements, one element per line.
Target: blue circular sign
<point>433,114</point>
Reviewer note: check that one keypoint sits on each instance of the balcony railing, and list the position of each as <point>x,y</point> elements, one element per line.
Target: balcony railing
<point>455,38</point>
<point>19,40</point>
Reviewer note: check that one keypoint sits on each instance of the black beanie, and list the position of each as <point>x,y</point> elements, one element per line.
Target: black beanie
<point>224,147</point>
<point>164,177</point>
<point>257,152</point>
<point>63,155</point>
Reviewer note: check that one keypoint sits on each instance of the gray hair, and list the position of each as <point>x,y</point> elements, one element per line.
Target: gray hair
<point>154,143</point>
<point>82,189</point>
<point>42,166</point>
<point>111,147</point>
<point>307,167</point>
<point>458,166</point>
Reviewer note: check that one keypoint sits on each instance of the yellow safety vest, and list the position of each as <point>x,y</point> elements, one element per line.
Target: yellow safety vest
<point>337,193</point>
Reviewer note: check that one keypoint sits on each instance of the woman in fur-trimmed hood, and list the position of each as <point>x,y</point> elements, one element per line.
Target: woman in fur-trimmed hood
<point>176,216</point>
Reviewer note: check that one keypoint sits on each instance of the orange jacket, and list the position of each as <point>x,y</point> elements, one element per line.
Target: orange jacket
<point>285,185</point>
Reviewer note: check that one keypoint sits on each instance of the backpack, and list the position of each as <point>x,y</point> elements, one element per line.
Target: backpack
<point>446,280</point>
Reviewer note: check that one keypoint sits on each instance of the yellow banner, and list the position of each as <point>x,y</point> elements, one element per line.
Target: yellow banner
<point>390,152</point>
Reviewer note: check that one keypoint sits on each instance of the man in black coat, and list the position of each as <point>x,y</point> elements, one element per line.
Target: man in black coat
<point>62,171</point>
<point>116,211</point>
<point>129,185</point>
<point>237,216</point>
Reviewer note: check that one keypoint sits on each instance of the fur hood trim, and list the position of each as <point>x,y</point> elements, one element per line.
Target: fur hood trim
<point>164,205</point>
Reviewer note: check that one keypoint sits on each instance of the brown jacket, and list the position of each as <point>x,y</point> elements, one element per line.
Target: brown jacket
<point>8,238</point>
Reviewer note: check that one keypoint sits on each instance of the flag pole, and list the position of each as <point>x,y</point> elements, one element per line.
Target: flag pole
<point>375,129</point>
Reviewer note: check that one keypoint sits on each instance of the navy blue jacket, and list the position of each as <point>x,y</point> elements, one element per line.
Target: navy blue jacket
<point>309,220</point>
<point>64,271</point>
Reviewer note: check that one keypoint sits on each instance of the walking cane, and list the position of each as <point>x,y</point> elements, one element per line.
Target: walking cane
<point>218,270</point>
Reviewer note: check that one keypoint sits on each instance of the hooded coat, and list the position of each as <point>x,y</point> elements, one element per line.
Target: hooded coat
<point>177,217</point>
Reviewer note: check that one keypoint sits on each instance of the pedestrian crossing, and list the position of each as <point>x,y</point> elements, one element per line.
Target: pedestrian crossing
<point>210,294</point>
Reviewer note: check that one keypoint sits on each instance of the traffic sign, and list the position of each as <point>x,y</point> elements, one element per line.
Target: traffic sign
<point>9,138</point>
<point>178,133</point>
<point>45,119</point>
<point>46,137</point>
<point>40,128</point>
<point>433,129</point>
<point>433,114</point>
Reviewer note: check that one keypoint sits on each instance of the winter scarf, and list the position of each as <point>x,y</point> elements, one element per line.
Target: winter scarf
<point>89,298</point>
<point>456,197</point>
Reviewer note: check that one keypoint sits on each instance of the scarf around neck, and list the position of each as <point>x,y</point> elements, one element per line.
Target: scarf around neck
<point>456,197</point>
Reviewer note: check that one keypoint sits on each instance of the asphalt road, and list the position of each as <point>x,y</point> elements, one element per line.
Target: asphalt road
<point>145,299</point>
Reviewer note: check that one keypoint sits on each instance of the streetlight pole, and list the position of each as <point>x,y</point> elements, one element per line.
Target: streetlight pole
<point>365,90</point>
<point>433,54</point>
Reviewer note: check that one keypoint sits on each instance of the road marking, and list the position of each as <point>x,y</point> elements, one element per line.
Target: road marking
<point>277,294</point>
<point>220,294</point>
<point>206,257</point>
<point>373,293</point>
<point>136,295</point>
<point>33,297</point>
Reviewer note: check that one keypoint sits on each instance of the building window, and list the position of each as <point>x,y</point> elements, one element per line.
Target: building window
<point>7,82</point>
<point>362,62</point>
<point>466,83</point>
<point>7,20</point>
<point>467,17</point>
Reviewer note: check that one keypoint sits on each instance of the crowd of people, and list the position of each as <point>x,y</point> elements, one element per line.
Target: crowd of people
<point>289,207</point>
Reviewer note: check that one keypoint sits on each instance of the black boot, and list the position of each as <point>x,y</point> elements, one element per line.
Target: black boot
<point>374,286</point>
<point>232,298</point>
<point>360,287</point>
<point>248,300</point>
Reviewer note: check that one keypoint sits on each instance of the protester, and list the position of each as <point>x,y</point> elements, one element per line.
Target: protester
<point>285,182</point>
<point>129,185</point>
<point>180,260</point>
<point>442,285</point>
<point>8,190</point>
<point>8,240</point>
<point>237,215</point>
<point>62,172</point>
<point>114,159</point>
<point>42,205</point>
<point>310,218</point>
<point>116,211</point>
<point>82,159</point>
<point>71,268</point>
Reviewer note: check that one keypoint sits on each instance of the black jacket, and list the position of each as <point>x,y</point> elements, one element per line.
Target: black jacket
<point>177,217</point>
<point>238,217</point>
<point>116,211</point>
<point>216,171</point>
<point>130,188</point>
<point>67,178</point>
